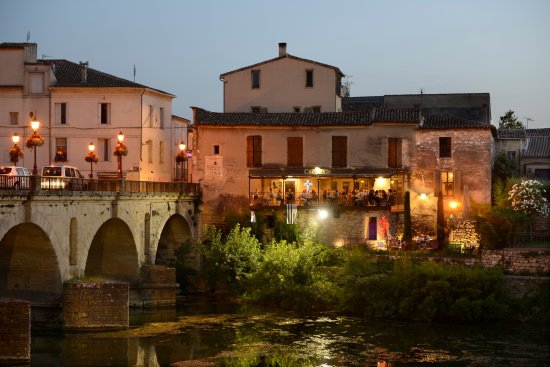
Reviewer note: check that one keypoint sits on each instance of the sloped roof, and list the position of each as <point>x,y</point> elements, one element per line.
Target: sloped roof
<point>68,74</point>
<point>537,132</point>
<point>353,104</point>
<point>452,122</point>
<point>511,133</point>
<point>203,117</point>
<point>537,146</point>
<point>467,106</point>
<point>338,71</point>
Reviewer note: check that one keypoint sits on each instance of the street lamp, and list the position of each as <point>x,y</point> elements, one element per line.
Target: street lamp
<point>34,141</point>
<point>182,158</point>
<point>121,149</point>
<point>15,152</point>
<point>91,157</point>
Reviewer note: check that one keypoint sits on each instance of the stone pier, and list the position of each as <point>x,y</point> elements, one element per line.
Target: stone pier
<point>15,331</point>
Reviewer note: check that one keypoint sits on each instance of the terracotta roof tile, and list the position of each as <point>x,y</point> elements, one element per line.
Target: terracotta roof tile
<point>537,146</point>
<point>451,122</point>
<point>203,117</point>
<point>511,133</point>
<point>68,74</point>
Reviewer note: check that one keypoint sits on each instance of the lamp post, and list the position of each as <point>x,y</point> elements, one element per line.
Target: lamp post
<point>15,138</point>
<point>120,138</point>
<point>35,124</point>
<point>182,160</point>
<point>91,148</point>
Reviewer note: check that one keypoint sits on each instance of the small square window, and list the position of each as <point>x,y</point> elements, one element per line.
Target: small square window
<point>14,118</point>
<point>255,109</point>
<point>297,109</point>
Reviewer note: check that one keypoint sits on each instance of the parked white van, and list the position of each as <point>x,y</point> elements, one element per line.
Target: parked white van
<point>61,177</point>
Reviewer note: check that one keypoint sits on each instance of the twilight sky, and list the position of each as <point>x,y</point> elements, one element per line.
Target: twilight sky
<point>385,47</point>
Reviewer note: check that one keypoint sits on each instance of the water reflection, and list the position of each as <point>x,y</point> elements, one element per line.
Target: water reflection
<point>233,335</point>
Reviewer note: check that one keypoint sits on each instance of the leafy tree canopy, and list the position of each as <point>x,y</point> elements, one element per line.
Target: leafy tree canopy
<point>510,121</point>
<point>504,167</point>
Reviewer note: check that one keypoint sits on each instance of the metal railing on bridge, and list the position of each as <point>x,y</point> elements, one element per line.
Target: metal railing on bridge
<point>16,184</point>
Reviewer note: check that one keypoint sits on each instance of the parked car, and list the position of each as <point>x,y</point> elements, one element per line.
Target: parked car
<point>12,177</point>
<point>61,177</point>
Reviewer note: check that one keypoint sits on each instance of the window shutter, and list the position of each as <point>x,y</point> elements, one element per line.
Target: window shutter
<point>294,152</point>
<point>257,151</point>
<point>394,152</point>
<point>249,151</point>
<point>339,151</point>
<point>437,182</point>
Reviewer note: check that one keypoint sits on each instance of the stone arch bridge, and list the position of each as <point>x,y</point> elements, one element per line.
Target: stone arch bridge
<point>50,237</point>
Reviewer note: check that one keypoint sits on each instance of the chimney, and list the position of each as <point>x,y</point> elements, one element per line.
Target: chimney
<point>84,71</point>
<point>282,49</point>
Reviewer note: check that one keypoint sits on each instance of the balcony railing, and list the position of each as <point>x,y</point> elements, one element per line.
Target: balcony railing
<point>16,184</point>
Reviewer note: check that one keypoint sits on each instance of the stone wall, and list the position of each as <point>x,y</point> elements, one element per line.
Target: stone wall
<point>157,287</point>
<point>89,305</point>
<point>15,330</point>
<point>518,261</point>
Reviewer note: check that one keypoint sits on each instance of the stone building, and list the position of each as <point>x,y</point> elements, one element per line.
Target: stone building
<point>76,105</point>
<point>265,141</point>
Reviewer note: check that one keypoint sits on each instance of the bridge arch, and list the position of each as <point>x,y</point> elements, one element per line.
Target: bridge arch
<point>113,254</point>
<point>175,234</point>
<point>29,268</point>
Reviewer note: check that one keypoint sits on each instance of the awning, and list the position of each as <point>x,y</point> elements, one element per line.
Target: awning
<point>284,172</point>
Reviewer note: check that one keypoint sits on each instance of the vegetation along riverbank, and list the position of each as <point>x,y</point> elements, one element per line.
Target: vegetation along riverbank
<point>303,275</point>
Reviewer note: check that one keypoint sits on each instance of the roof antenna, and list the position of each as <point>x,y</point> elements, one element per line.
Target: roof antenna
<point>527,119</point>
<point>28,36</point>
<point>134,73</point>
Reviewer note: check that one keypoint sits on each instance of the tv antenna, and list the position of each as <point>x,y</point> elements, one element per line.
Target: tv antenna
<point>28,36</point>
<point>527,119</point>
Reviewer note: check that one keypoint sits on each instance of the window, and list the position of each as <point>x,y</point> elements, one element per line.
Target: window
<point>60,150</point>
<point>511,155</point>
<point>149,151</point>
<point>14,118</point>
<point>216,149</point>
<point>394,152</point>
<point>37,83</point>
<point>297,109</point>
<point>104,149</point>
<point>316,109</point>
<point>309,78</point>
<point>255,109</point>
<point>444,147</point>
<point>447,183</point>
<point>294,152</point>
<point>255,79</point>
<point>161,151</point>
<point>254,151</point>
<point>61,113</point>
<point>105,113</point>
<point>339,151</point>
<point>151,115</point>
<point>161,118</point>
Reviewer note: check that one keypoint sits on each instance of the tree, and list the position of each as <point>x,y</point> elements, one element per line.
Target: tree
<point>510,121</point>
<point>504,167</point>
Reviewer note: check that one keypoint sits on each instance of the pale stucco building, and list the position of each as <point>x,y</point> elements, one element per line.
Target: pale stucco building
<point>77,105</point>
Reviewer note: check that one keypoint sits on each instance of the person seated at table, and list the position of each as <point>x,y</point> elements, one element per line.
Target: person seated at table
<point>313,195</point>
<point>304,197</point>
<point>279,198</point>
<point>290,196</point>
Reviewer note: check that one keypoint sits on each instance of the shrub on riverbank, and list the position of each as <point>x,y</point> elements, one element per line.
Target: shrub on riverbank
<point>425,291</point>
<point>291,276</point>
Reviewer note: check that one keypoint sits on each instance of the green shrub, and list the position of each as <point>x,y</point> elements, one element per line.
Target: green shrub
<point>291,276</point>
<point>426,292</point>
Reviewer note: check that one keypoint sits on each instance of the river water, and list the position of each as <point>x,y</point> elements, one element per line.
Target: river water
<point>224,334</point>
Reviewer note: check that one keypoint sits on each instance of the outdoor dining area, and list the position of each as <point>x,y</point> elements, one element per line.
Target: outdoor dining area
<point>325,187</point>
